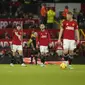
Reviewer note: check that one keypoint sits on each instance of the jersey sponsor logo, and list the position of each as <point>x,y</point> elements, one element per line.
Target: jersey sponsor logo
<point>43,36</point>
<point>69,28</point>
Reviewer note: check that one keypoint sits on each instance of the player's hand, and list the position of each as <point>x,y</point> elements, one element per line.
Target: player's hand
<point>33,48</point>
<point>37,46</point>
<point>59,41</point>
<point>78,42</point>
<point>51,44</point>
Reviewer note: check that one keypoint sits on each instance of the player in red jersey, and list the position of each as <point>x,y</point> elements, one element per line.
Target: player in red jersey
<point>43,41</point>
<point>17,44</point>
<point>68,29</point>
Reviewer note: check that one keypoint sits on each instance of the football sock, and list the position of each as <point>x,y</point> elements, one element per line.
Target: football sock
<point>12,59</point>
<point>36,60</point>
<point>43,59</point>
<point>21,59</point>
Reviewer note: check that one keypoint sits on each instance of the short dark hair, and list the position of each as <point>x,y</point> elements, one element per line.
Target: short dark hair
<point>70,13</point>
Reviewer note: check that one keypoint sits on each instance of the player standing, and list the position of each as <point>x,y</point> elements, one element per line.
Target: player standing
<point>17,44</point>
<point>32,45</point>
<point>43,41</point>
<point>68,29</point>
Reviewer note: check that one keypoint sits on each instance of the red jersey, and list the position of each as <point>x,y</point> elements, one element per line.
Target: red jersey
<point>69,29</point>
<point>44,38</point>
<point>16,40</point>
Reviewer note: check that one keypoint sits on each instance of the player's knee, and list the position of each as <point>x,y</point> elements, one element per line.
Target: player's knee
<point>20,52</point>
<point>42,53</point>
<point>65,52</point>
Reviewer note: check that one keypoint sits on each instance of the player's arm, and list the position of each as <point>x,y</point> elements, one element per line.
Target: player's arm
<point>37,41</point>
<point>61,32</point>
<point>32,45</point>
<point>19,36</point>
<point>77,33</point>
<point>50,40</point>
<point>16,33</point>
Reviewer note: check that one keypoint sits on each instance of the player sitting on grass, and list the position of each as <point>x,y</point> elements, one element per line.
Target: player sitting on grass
<point>69,28</point>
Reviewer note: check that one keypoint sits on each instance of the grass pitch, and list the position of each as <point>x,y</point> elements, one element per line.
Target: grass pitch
<point>37,75</point>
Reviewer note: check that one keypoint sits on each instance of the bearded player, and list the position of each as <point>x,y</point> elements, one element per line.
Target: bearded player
<point>69,28</point>
<point>43,40</point>
<point>17,45</point>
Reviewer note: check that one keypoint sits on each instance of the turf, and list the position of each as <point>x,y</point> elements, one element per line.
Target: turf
<point>36,75</point>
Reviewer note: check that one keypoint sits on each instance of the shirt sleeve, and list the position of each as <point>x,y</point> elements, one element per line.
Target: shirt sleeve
<point>49,38</point>
<point>63,24</point>
<point>76,26</point>
<point>37,38</point>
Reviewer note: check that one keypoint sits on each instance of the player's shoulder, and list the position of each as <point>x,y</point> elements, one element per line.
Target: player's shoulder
<point>64,20</point>
<point>74,21</point>
<point>14,30</point>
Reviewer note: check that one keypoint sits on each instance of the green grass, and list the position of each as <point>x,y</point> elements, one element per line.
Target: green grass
<point>36,75</point>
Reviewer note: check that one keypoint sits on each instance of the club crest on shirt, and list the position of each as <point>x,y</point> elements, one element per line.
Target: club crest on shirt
<point>73,24</point>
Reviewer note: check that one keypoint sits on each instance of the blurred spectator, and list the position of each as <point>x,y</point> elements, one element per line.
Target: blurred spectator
<point>75,13</point>
<point>25,15</point>
<point>5,36</point>
<point>26,25</point>
<point>6,46</point>
<point>30,23</point>
<point>43,12</point>
<point>25,36</point>
<point>9,25</point>
<point>13,25</point>
<point>50,18</point>
<point>30,15</point>
<point>81,19</point>
<point>66,9</point>
<point>14,4</point>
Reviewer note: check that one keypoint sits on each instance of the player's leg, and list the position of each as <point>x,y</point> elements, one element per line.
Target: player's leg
<point>20,51</point>
<point>66,50</point>
<point>42,55</point>
<point>72,47</point>
<point>13,54</point>
<point>36,56</point>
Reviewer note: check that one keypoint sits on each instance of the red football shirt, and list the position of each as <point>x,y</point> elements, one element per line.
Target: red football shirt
<point>69,29</point>
<point>15,39</point>
<point>44,38</point>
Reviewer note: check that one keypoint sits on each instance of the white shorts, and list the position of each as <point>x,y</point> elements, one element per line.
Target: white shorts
<point>44,49</point>
<point>69,44</point>
<point>17,47</point>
